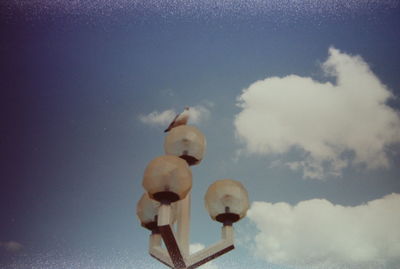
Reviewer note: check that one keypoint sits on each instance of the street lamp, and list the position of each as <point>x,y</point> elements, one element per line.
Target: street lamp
<point>168,181</point>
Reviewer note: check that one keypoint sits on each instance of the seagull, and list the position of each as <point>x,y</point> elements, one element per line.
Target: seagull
<point>180,119</point>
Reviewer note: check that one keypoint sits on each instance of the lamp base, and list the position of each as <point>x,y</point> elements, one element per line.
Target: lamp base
<point>189,159</point>
<point>166,197</point>
<point>227,218</point>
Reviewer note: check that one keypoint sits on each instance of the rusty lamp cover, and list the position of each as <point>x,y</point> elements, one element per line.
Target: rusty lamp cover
<point>226,201</point>
<point>186,142</point>
<point>167,179</point>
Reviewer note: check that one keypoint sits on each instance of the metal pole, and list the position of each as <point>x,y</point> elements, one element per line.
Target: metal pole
<point>184,224</point>
<point>167,234</point>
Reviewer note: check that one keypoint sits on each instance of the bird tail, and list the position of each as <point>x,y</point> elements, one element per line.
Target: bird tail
<point>169,127</point>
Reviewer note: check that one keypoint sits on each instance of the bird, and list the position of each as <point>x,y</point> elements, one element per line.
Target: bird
<point>180,119</point>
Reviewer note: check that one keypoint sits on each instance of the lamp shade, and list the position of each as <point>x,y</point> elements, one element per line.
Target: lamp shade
<point>226,201</point>
<point>167,179</point>
<point>147,211</point>
<point>187,142</point>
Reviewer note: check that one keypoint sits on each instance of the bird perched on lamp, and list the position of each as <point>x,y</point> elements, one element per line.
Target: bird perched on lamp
<point>180,119</point>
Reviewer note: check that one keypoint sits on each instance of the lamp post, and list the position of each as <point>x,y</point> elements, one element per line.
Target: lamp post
<point>166,203</point>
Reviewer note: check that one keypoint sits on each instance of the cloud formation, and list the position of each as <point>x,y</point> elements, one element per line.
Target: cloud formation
<point>158,118</point>
<point>10,246</point>
<point>335,125</point>
<point>198,114</point>
<point>319,234</point>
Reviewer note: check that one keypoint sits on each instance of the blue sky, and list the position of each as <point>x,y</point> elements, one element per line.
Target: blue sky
<point>318,151</point>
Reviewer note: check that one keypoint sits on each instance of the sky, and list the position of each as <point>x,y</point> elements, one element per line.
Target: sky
<point>298,100</point>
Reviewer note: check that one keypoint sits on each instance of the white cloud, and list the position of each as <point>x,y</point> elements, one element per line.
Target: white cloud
<point>319,234</point>
<point>197,247</point>
<point>198,114</point>
<point>11,246</point>
<point>158,118</point>
<point>334,124</point>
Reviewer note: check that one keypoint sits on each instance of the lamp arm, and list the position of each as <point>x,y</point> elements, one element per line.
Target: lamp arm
<point>167,234</point>
<point>213,251</point>
<point>157,252</point>
<point>176,260</point>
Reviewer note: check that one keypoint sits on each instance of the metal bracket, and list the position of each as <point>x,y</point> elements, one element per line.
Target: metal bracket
<point>174,256</point>
<point>157,252</point>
